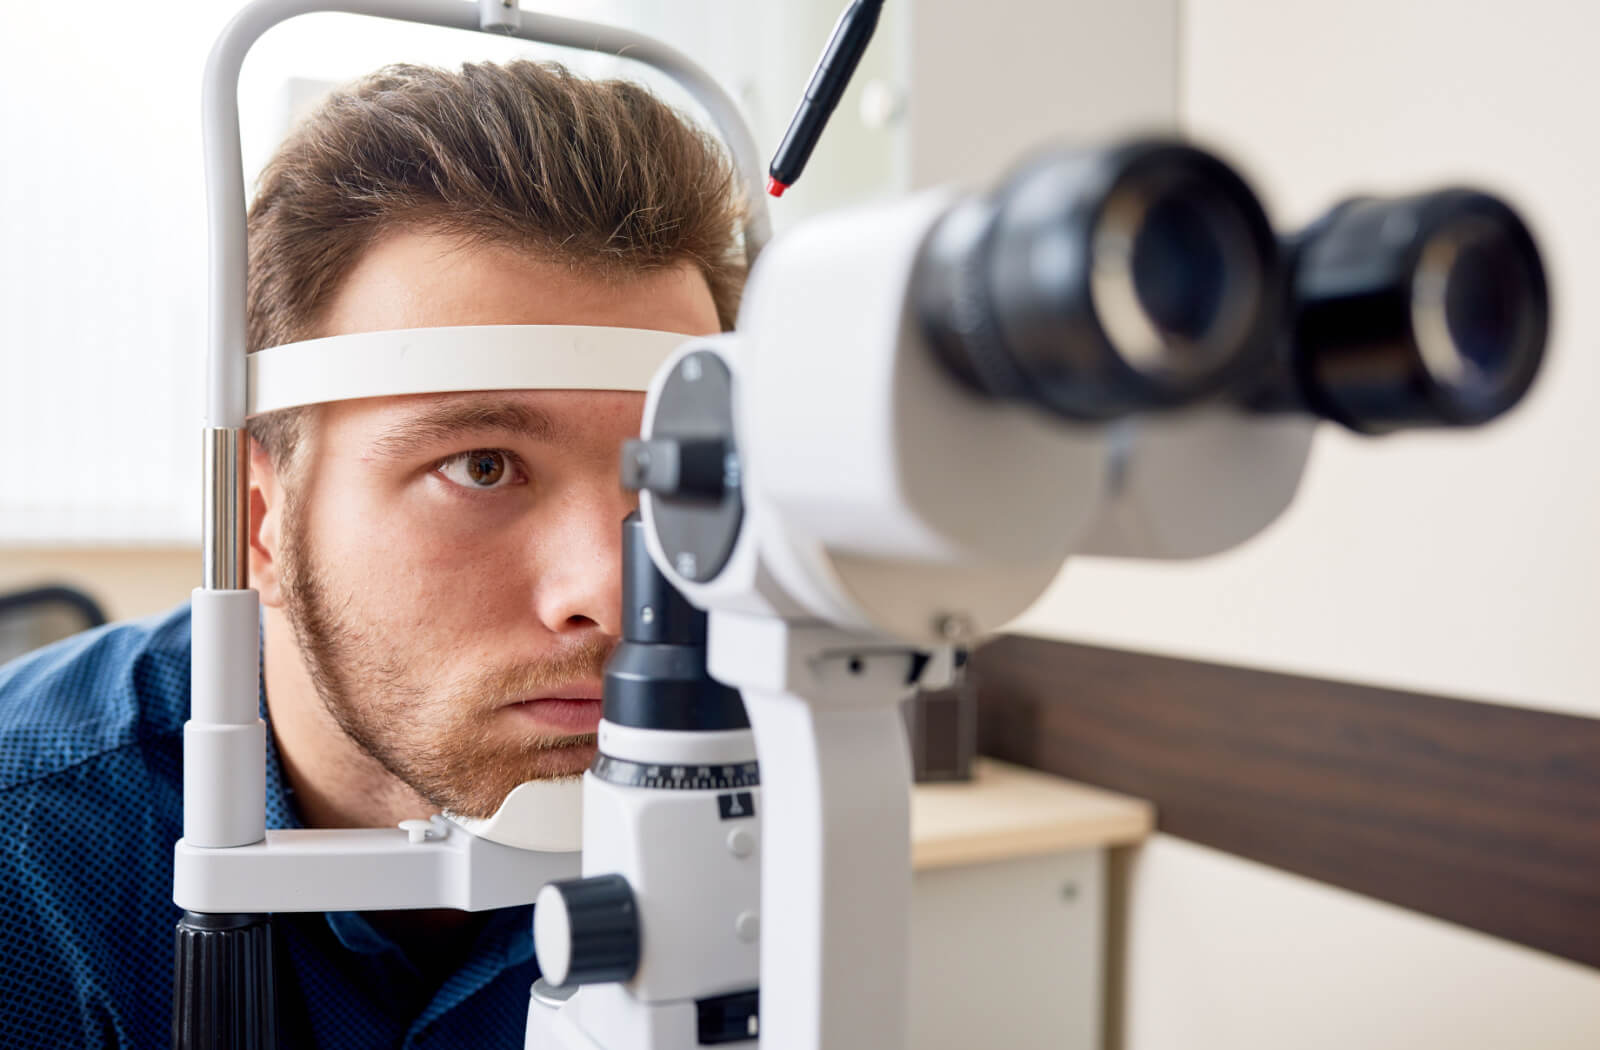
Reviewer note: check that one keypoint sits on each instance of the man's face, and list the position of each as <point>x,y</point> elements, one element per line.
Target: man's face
<point>451,563</point>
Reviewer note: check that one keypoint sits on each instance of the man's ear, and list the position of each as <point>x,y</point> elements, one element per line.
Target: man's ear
<point>266,527</point>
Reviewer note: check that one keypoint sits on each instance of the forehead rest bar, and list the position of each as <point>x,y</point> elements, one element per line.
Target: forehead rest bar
<point>447,360</point>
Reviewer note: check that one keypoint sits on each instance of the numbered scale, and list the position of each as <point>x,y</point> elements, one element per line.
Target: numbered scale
<point>676,778</point>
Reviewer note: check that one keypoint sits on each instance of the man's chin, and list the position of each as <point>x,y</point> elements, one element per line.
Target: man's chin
<point>569,758</point>
<point>489,779</point>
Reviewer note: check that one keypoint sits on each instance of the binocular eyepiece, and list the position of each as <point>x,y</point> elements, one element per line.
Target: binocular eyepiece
<point>1101,284</point>
<point>1147,277</point>
<point>1429,310</point>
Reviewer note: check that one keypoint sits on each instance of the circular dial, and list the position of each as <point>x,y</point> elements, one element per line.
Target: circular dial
<point>690,466</point>
<point>722,776</point>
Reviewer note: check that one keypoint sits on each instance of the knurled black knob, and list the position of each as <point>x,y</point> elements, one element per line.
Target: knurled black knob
<point>586,931</point>
<point>223,995</point>
<point>693,468</point>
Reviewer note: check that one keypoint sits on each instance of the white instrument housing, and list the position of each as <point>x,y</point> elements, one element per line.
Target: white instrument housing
<point>889,510</point>
<point>692,856</point>
<point>883,496</point>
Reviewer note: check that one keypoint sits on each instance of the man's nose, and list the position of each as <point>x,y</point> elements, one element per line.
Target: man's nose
<point>579,558</point>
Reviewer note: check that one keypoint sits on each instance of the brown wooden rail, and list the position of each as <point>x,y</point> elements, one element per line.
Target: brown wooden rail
<point>1480,814</point>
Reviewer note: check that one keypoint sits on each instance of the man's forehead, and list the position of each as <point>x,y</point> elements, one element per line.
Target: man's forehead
<point>520,410</point>
<point>423,278</point>
<point>396,424</point>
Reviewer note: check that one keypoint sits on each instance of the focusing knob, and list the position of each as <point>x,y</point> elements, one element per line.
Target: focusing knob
<point>688,468</point>
<point>586,931</point>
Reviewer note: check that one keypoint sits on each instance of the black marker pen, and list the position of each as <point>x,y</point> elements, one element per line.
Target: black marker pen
<point>828,81</point>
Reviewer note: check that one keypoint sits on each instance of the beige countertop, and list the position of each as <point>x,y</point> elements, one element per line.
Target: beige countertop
<point>1007,811</point>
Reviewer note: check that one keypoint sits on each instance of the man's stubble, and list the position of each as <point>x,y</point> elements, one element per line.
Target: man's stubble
<point>440,739</point>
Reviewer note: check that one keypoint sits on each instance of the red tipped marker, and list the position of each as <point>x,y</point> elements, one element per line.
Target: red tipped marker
<point>828,81</point>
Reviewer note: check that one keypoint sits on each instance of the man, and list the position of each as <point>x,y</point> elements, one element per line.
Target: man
<point>439,574</point>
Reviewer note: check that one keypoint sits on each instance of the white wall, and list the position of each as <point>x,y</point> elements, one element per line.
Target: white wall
<point>989,88</point>
<point>1461,564</point>
<point>1467,565</point>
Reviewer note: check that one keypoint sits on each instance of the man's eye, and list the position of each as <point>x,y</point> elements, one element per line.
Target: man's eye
<point>482,468</point>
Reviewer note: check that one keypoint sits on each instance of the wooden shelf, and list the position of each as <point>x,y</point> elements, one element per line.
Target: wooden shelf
<point>1007,811</point>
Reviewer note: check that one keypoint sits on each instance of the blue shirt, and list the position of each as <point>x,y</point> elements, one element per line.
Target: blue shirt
<point>91,800</point>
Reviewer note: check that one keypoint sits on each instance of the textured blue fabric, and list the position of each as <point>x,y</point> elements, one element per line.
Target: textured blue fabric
<point>91,795</point>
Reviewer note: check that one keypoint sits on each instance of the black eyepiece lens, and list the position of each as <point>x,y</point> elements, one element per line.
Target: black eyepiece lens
<point>1180,267</point>
<point>1488,306</point>
<point>1418,311</point>
<point>1095,285</point>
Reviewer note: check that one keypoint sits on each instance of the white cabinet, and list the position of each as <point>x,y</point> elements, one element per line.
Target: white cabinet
<point>1008,909</point>
<point>1010,953</point>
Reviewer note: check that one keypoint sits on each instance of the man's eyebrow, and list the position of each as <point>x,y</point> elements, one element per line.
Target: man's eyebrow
<point>454,419</point>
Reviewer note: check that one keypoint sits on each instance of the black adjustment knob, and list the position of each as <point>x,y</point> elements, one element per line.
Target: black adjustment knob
<point>223,994</point>
<point>586,931</point>
<point>686,468</point>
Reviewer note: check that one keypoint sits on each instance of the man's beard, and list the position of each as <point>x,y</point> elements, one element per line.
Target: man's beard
<point>439,740</point>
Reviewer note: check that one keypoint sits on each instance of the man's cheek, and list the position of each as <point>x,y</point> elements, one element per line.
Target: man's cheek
<point>397,539</point>
<point>427,560</point>
<point>455,587</point>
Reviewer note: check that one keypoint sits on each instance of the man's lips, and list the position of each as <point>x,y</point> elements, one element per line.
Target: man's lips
<point>575,709</point>
<point>591,689</point>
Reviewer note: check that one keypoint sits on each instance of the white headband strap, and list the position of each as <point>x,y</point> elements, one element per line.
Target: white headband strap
<point>445,360</point>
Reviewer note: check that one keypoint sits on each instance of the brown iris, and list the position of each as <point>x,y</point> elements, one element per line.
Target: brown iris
<point>485,467</point>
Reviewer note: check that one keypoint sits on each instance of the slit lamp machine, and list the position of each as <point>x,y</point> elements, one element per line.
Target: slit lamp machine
<point>1110,352</point>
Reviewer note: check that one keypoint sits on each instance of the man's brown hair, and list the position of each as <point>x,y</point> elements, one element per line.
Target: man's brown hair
<point>600,175</point>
